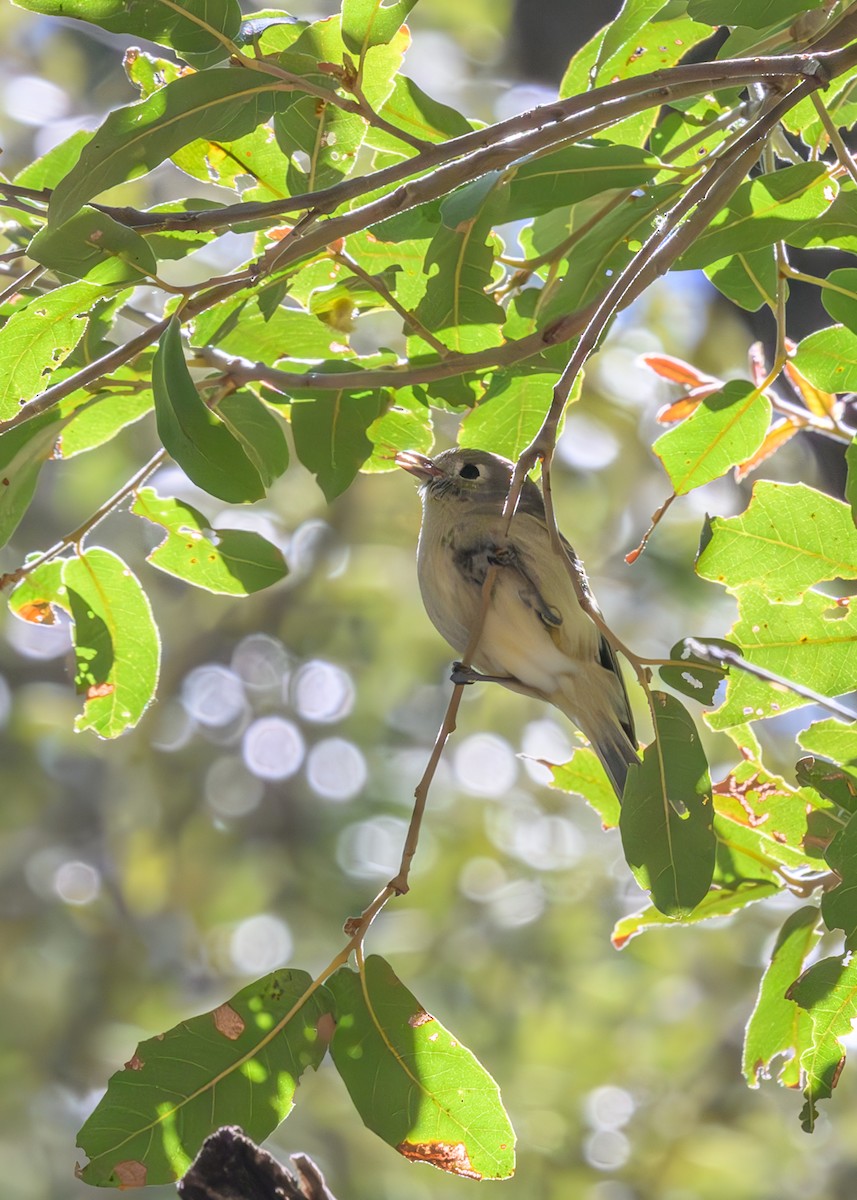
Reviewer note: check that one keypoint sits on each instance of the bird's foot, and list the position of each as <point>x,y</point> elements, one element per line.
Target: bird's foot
<point>462,674</point>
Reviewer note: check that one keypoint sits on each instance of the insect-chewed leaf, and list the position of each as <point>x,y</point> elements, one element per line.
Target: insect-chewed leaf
<point>777,1026</point>
<point>814,641</point>
<point>202,444</point>
<point>133,140</point>
<point>36,339</point>
<point>116,644</point>
<point>666,819</point>
<point>412,1082</point>
<point>727,428</point>
<point>756,813</point>
<point>789,538</point>
<point>35,597</point>
<point>237,1065</point>
<point>584,774</point>
<point>835,740</point>
<point>695,677</point>
<point>230,562</point>
<point>828,992</point>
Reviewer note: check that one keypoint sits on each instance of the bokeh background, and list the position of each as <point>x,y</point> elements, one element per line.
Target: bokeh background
<point>264,797</point>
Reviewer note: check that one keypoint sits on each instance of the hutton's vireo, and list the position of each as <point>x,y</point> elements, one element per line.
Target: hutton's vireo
<point>536,637</point>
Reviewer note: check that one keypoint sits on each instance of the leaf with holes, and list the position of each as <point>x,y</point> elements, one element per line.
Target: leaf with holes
<point>412,1082</point>
<point>116,645</point>
<point>237,1065</point>
<point>666,818</point>
<point>230,562</point>
<point>777,1025</point>
<point>828,992</point>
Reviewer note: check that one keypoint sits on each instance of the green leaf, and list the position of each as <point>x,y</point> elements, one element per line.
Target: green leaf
<point>777,1025</point>
<point>36,339</point>
<point>828,780</point>
<point>230,562</point>
<point>725,430</point>
<point>839,296</point>
<point>405,425</point>
<point>757,814</point>
<point>510,413</point>
<point>93,245</point>
<point>839,904</point>
<point>238,326</point>
<point>116,644</point>
<point>459,262</point>
<point>330,434</point>
<point>23,451</point>
<point>368,23</point>
<point>47,171</point>
<point>410,109</point>
<point>539,183</point>
<point>762,211</point>
<point>237,1065</point>
<point>671,855</point>
<point>124,400</point>
<point>412,1082</point>
<point>748,279</point>
<point>828,992</point>
<point>36,596</point>
<point>837,228</point>
<point>202,445</point>
<point>583,774</point>
<point>834,739</point>
<point>258,431</point>
<point>647,35</point>
<point>828,358</point>
<point>189,27</point>
<point>719,902</point>
<point>758,14</point>
<point>814,642</point>
<point>696,678</point>
<point>789,538</point>
<point>133,140</point>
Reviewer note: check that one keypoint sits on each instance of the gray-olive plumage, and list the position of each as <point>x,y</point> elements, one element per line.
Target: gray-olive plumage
<point>537,637</point>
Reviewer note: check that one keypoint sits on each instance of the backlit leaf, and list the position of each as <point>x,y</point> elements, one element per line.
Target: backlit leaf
<point>828,358</point>
<point>116,643</point>
<point>671,855</point>
<point>789,538</point>
<point>777,1025</point>
<point>726,429</point>
<point>828,992</point>
<point>412,1082</point>
<point>239,1064</point>
<point>230,562</point>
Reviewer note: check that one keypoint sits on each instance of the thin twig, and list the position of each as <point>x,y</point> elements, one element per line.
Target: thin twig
<point>719,655</point>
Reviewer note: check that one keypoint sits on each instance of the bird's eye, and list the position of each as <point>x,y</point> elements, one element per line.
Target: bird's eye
<point>469,471</point>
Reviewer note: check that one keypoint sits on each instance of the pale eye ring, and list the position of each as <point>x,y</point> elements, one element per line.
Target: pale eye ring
<point>469,471</point>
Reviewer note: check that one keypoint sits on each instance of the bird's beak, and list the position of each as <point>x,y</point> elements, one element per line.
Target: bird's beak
<point>417,464</point>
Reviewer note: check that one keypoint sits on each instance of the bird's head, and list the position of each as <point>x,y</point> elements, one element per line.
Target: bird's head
<point>460,474</point>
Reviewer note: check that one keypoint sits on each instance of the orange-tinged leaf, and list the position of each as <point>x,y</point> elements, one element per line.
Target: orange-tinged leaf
<point>677,370</point>
<point>779,433</point>
<point>819,402</point>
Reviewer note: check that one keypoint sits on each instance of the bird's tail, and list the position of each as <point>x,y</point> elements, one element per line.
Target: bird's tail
<point>602,715</point>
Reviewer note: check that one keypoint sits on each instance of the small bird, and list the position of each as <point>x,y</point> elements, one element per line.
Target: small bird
<point>537,638</point>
